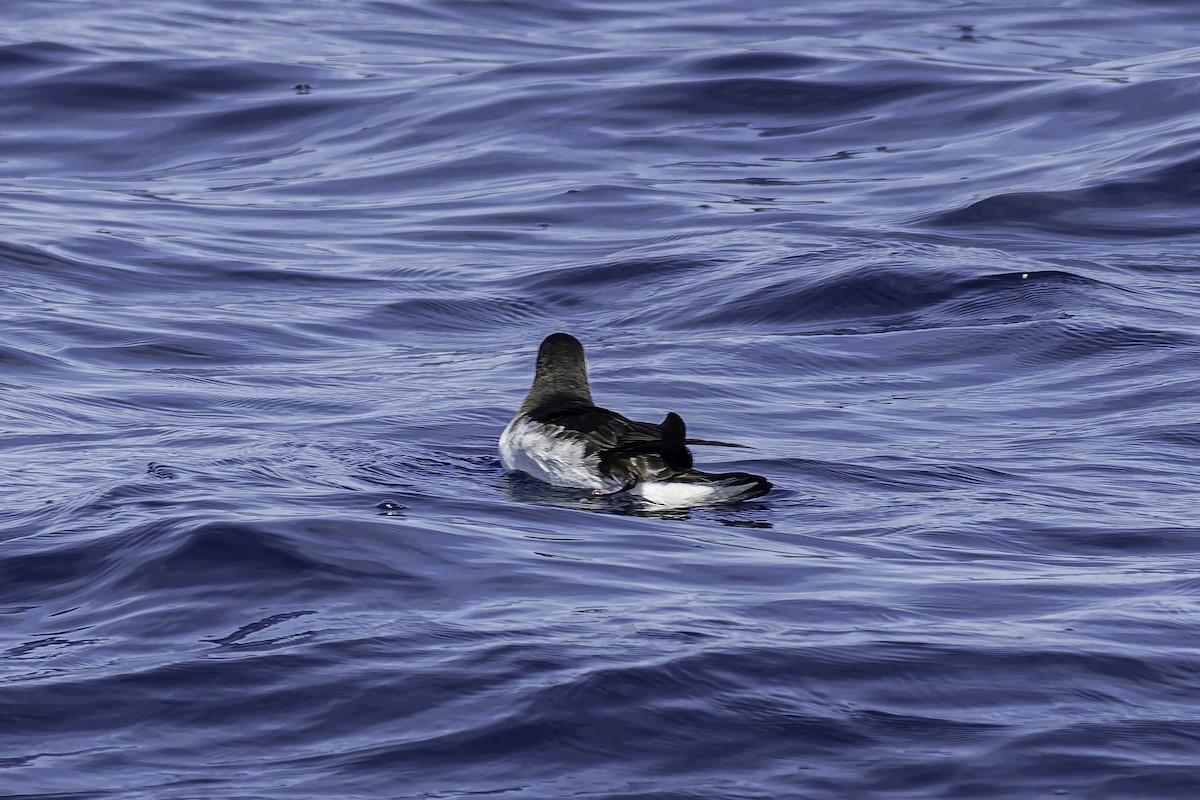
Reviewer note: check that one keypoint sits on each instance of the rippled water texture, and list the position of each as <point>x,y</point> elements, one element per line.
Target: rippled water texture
<point>272,276</point>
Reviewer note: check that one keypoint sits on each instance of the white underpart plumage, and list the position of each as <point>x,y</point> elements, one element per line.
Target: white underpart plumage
<point>679,493</point>
<point>549,454</point>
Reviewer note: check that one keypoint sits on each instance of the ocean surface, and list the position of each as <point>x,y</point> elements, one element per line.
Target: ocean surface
<point>272,279</point>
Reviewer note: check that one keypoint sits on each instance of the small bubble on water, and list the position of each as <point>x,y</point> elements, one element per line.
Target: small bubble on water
<point>390,508</point>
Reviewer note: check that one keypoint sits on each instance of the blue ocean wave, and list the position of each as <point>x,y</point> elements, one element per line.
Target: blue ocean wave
<point>272,280</point>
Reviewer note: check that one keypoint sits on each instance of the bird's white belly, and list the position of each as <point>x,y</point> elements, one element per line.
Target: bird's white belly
<point>544,452</point>
<point>670,493</point>
<point>687,493</point>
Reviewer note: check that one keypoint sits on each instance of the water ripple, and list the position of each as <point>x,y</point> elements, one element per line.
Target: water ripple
<point>272,282</point>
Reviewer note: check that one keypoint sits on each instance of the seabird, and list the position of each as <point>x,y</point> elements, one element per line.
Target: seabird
<point>561,437</point>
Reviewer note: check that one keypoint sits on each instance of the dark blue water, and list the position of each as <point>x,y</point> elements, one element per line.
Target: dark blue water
<point>939,262</point>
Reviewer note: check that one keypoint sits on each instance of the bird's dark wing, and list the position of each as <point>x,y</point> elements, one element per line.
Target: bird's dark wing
<point>715,443</point>
<point>599,429</point>
<point>630,451</point>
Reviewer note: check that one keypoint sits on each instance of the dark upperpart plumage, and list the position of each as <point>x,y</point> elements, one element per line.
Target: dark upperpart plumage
<point>629,452</point>
<point>561,376</point>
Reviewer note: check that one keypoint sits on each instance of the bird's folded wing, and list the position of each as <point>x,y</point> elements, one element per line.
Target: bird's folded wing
<point>599,428</point>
